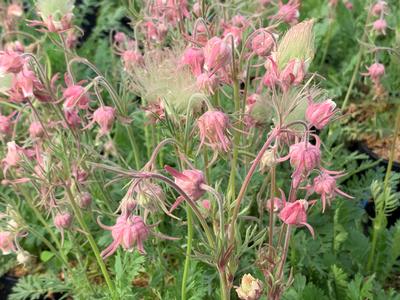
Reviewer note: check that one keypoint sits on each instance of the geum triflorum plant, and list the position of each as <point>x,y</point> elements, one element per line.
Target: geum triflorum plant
<point>229,101</point>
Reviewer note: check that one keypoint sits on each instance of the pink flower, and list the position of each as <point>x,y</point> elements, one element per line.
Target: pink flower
<point>131,58</point>
<point>292,74</point>
<point>7,244</point>
<point>272,76</point>
<point>11,62</point>
<point>196,9</point>
<point>62,220</point>
<point>348,4</point>
<point>276,204</point>
<point>13,156</point>
<point>375,71</point>
<point>379,8</point>
<point>6,123</point>
<point>194,58</point>
<point>104,116</point>
<point>304,157</point>
<point>119,37</point>
<point>380,26</point>
<point>235,32</point>
<point>14,10</point>
<point>262,43</point>
<point>288,13</point>
<point>325,185</point>
<point>207,82</point>
<point>295,214</point>
<point>75,95</point>
<point>319,114</point>
<point>36,130</point>
<point>129,230</point>
<point>217,54</point>
<point>156,33</point>
<point>189,181</point>
<point>85,200</point>
<point>213,127</point>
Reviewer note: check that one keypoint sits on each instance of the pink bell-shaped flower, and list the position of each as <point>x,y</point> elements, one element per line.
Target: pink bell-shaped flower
<point>75,95</point>
<point>288,13</point>
<point>194,58</point>
<point>104,116</point>
<point>63,220</point>
<point>379,8</point>
<point>375,71</point>
<point>262,43</point>
<point>207,82</point>
<point>129,231</point>
<point>11,62</point>
<point>190,182</point>
<point>319,114</point>
<point>213,126</point>
<point>217,54</point>
<point>380,26</point>
<point>295,214</point>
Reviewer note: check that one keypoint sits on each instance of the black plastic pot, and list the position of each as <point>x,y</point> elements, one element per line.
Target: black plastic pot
<point>6,284</point>
<point>363,148</point>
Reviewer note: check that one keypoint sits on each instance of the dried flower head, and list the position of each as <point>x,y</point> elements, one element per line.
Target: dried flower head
<point>250,288</point>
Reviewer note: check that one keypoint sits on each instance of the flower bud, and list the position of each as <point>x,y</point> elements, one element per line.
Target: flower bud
<point>104,116</point>
<point>63,220</point>
<point>250,288</point>
<point>217,54</point>
<point>268,160</point>
<point>375,71</point>
<point>380,26</point>
<point>262,43</point>
<point>85,200</point>
<point>194,58</point>
<point>288,13</point>
<point>295,213</point>
<point>379,8</point>
<point>23,257</point>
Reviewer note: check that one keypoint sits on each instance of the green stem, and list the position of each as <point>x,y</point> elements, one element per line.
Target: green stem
<point>225,295</point>
<point>188,252</point>
<point>92,243</point>
<point>134,146</point>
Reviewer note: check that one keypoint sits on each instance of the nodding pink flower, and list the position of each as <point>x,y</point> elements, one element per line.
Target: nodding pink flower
<point>375,71</point>
<point>213,127</point>
<point>7,244</point>
<point>120,37</point>
<point>325,185</point>
<point>217,54</point>
<point>190,181</point>
<point>49,25</point>
<point>79,174</point>
<point>6,123</point>
<point>288,13</point>
<point>128,231</point>
<point>380,26</point>
<point>131,58</point>
<point>194,58</point>
<point>85,200</point>
<point>235,32</point>
<point>72,118</point>
<point>14,10</point>
<point>207,82</point>
<point>23,84</point>
<point>262,43</point>
<point>104,116</point>
<point>36,130</point>
<point>295,214</point>
<point>239,21</point>
<point>379,8</point>
<point>75,95</point>
<point>11,61</point>
<point>304,157</point>
<point>16,46</point>
<point>62,221</point>
<point>319,114</point>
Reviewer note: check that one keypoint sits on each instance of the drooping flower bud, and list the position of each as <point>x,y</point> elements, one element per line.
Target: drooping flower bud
<point>207,83</point>
<point>288,13</point>
<point>11,62</point>
<point>129,230</point>
<point>217,54</point>
<point>295,214</point>
<point>7,244</point>
<point>120,37</point>
<point>268,160</point>
<point>379,8</point>
<point>194,58</point>
<point>262,43</point>
<point>319,114</point>
<point>250,288</point>
<point>75,95</point>
<point>63,220</point>
<point>189,181</point>
<point>85,200</point>
<point>380,26</point>
<point>104,116</point>
<point>375,71</point>
<point>213,127</point>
